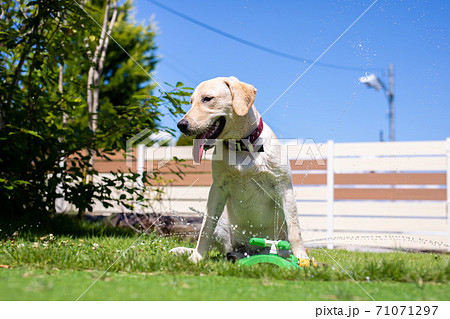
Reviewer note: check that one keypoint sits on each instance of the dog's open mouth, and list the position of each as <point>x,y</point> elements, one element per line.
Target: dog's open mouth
<point>207,138</point>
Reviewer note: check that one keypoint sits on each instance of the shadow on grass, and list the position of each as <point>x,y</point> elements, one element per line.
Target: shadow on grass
<point>57,224</point>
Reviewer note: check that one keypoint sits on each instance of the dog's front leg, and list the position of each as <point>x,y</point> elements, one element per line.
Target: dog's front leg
<point>216,202</point>
<point>292,222</point>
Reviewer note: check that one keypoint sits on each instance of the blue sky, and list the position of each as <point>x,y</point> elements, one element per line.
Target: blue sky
<point>325,103</point>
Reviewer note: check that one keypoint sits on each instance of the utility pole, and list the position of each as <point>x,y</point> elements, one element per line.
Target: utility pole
<point>390,96</point>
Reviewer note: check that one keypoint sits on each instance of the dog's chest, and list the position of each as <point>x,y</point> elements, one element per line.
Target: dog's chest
<point>251,202</point>
<point>246,187</point>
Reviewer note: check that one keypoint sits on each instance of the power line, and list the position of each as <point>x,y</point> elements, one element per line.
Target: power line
<point>257,46</point>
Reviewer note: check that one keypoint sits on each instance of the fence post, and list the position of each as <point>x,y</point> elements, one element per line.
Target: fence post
<point>140,168</point>
<point>448,191</point>
<point>60,205</point>
<point>330,194</point>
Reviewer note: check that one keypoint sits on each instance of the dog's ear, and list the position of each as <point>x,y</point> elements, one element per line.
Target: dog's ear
<point>243,95</point>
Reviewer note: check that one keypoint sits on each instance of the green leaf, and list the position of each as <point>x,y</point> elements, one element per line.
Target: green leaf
<point>22,130</point>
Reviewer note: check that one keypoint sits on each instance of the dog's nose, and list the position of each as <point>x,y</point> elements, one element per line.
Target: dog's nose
<point>183,125</point>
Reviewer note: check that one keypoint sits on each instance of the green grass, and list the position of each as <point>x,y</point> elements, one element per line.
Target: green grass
<point>21,284</point>
<point>61,267</point>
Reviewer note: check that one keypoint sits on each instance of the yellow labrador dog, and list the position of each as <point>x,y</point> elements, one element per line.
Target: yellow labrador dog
<point>249,176</point>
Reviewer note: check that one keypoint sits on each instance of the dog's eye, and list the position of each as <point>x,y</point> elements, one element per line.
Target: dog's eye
<point>207,98</point>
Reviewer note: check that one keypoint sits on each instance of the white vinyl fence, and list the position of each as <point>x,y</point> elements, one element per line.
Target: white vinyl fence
<point>386,194</point>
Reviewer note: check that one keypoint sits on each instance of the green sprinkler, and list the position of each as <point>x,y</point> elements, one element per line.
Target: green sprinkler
<point>274,255</point>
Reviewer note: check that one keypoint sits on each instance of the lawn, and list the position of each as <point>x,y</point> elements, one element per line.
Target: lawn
<point>61,267</point>
<point>22,284</point>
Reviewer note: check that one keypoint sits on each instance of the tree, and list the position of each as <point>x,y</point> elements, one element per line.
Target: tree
<point>122,78</point>
<point>185,140</point>
<point>97,63</point>
<point>43,109</point>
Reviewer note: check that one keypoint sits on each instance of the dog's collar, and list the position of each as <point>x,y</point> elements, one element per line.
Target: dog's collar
<point>247,144</point>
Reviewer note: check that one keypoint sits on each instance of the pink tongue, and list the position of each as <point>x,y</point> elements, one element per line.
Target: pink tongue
<point>199,145</point>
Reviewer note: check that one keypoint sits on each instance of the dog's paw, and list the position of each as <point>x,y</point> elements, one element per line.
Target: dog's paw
<point>181,251</point>
<point>195,257</point>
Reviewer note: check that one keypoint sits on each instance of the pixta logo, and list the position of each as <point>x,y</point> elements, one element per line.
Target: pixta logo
<point>155,155</point>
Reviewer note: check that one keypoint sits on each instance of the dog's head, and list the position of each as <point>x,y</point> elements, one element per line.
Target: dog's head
<point>218,110</point>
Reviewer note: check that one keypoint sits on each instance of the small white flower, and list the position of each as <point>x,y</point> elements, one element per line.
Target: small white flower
<point>95,245</point>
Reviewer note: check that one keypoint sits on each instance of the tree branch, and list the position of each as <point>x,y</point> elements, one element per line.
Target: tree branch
<point>102,34</point>
<point>106,43</point>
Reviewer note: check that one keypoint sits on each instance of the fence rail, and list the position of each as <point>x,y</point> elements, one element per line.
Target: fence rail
<point>391,194</point>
